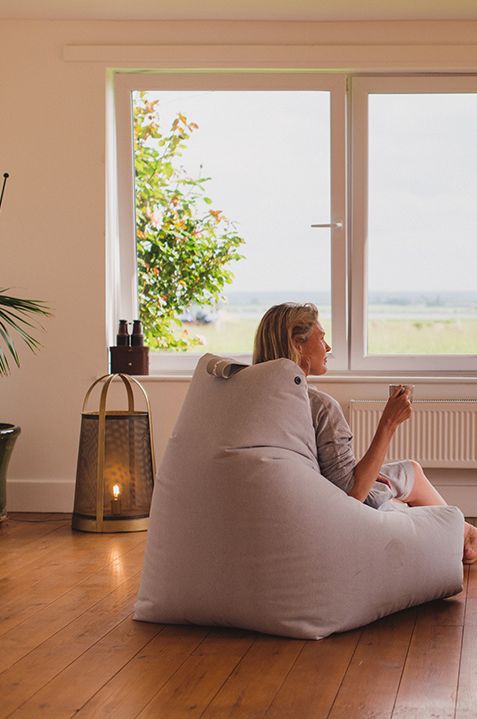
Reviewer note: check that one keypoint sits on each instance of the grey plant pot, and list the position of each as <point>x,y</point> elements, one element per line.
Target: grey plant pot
<point>8,437</point>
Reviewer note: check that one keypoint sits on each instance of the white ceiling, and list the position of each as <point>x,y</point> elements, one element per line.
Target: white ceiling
<point>239,9</point>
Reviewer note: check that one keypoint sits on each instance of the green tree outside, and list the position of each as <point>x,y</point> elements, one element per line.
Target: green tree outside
<point>184,247</point>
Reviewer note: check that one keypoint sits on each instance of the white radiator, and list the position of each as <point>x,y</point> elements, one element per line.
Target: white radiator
<point>440,433</point>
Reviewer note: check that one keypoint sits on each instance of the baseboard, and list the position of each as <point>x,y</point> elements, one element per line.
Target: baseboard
<point>47,495</point>
<point>458,487</point>
<point>40,495</point>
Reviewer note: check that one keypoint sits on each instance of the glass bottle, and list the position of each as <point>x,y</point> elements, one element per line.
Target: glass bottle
<point>122,338</point>
<point>137,337</point>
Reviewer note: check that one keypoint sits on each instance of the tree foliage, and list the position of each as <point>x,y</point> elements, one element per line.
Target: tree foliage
<point>184,247</point>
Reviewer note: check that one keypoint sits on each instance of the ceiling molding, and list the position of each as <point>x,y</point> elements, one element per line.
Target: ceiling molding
<point>254,10</point>
<point>371,58</point>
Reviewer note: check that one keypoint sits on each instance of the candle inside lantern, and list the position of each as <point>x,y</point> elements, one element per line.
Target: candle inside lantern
<point>116,502</point>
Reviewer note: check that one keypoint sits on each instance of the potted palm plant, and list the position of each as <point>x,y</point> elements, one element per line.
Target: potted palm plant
<point>18,317</point>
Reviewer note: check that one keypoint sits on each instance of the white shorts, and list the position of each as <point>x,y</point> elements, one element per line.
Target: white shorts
<point>399,485</point>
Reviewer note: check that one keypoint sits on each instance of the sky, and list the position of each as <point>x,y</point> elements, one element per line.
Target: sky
<point>268,154</point>
<point>423,191</point>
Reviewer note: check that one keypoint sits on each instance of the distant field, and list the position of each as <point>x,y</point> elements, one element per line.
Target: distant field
<point>425,336</point>
<point>234,335</point>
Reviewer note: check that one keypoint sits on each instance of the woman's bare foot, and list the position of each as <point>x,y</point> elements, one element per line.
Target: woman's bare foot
<point>470,544</point>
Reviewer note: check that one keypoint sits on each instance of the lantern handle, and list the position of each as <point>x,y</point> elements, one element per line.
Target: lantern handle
<point>149,414</point>
<point>109,378</point>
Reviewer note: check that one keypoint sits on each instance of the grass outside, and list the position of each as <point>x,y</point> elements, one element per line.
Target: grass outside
<point>234,335</point>
<point>423,336</point>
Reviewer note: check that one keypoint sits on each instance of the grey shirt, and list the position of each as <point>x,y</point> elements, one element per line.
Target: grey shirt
<point>334,440</point>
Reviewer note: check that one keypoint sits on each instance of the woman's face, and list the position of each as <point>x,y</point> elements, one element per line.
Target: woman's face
<point>313,351</point>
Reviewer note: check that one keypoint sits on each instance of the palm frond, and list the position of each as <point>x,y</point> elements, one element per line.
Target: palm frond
<point>4,368</point>
<point>19,315</point>
<point>9,342</point>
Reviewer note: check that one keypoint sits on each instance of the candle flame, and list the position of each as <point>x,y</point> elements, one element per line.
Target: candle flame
<point>116,491</point>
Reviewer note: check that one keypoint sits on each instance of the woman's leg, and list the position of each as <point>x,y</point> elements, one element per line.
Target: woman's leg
<point>424,494</point>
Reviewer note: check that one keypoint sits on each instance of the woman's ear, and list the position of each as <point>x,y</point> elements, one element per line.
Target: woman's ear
<point>298,344</point>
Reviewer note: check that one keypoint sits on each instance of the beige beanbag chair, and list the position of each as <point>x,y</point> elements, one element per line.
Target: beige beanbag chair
<point>245,532</point>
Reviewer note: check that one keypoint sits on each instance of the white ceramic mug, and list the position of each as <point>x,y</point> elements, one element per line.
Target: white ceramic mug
<point>394,387</point>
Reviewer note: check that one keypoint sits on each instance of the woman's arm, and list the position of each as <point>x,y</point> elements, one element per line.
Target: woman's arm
<point>398,409</point>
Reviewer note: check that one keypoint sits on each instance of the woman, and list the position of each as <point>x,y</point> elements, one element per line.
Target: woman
<point>293,331</point>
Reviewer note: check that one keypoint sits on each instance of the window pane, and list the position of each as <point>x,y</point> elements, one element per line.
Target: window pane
<point>267,155</point>
<point>422,224</point>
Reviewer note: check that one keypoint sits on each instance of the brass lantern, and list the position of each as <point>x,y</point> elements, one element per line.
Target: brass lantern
<point>115,472</point>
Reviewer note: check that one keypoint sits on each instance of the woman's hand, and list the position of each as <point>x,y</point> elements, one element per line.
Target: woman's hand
<point>398,408</point>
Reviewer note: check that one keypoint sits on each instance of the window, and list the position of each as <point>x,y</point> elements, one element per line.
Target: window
<point>414,225</point>
<point>276,168</point>
<point>393,281</point>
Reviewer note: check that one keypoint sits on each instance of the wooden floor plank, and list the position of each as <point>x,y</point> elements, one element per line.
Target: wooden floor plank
<point>445,612</point>
<point>67,561</point>
<point>128,693</point>
<point>69,690</point>
<point>252,686</point>
<point>378,663</point>
<point>15,558</point>
<point>27,676</point>
<point>19,534</point>
<point>191,689</point>
<point>24,637</point>
<point>19,560</point>
<point>55,551</point>
<point>38,517</point>
<point>311,686</point>
<point>466,705</point>
<point>429,682</point>
<point>53,579</point>
<point>428,688</point>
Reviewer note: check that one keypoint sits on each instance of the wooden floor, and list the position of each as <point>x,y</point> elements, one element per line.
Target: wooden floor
<point>68,647</point>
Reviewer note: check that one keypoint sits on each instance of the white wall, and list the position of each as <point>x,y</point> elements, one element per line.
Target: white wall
<point>52,227</point>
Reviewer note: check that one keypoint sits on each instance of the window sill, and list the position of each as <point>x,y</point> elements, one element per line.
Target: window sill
<point>396,377</point>
<point>339,378</point>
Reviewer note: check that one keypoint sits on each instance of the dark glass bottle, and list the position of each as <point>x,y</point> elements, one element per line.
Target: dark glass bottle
<point>122,338</point>
<point>137,337</point>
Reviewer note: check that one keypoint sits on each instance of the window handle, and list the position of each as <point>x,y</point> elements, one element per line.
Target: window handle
<point>331,224</point>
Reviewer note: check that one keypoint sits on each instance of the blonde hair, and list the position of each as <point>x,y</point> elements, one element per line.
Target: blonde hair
<point>279,327</point>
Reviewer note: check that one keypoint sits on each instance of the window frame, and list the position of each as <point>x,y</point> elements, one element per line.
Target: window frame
<point>348,133</point>
<point>227,79</point>
<point>361,88</point>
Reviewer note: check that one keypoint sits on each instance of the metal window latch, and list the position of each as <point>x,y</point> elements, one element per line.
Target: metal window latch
<point>331,224</point>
